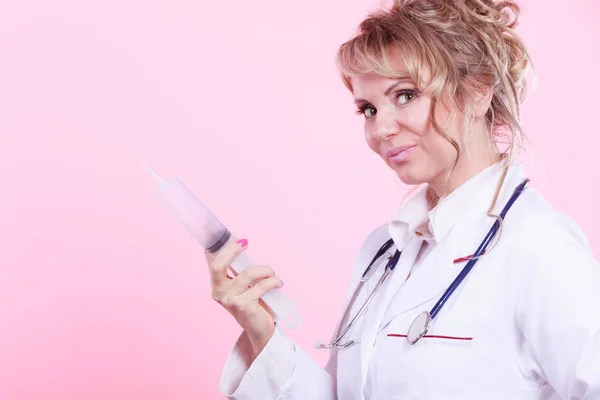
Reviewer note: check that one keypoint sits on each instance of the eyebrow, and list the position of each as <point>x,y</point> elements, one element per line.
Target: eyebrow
<point>389,89</point>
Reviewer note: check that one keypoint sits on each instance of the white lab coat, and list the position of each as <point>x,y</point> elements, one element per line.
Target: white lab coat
<point>523,325</point>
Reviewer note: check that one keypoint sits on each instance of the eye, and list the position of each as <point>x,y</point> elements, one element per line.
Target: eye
<point>404,96</point>
<point>367,110</point>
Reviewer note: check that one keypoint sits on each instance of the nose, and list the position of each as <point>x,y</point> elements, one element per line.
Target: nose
<point>386,126</point>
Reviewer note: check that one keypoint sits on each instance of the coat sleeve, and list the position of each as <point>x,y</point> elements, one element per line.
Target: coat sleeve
<point>283,370</point>
<point>557,306</point>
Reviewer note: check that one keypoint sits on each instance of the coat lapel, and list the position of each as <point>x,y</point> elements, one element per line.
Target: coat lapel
<point>377,308</point>
<point>429,280</point>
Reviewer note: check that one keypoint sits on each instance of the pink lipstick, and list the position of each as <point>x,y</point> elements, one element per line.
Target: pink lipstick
<point>400,153</point>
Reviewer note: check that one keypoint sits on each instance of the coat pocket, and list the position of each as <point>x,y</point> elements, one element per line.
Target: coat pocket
<point>447,355</point>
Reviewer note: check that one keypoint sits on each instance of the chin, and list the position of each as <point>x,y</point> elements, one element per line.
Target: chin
<point>410,176</point>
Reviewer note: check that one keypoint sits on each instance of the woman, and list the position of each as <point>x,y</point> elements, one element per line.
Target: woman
<point>439,83</point>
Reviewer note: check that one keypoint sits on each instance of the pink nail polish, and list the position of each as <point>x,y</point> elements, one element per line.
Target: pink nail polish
<point>242,242</point>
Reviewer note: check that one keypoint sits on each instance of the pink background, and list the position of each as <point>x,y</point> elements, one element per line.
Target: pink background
<point>102,294</point>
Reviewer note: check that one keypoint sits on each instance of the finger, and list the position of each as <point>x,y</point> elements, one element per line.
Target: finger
<point>222,260</point>
<point>250,276</point>
<point>260,288</point>
<point>209,257</point>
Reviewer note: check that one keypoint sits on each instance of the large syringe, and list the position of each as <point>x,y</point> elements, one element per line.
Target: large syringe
<point>213,235</point>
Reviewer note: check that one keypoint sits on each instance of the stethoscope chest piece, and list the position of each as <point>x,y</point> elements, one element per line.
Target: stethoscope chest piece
<point>418,328</point>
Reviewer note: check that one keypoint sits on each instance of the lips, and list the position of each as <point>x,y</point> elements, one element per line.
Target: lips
<point>398,154</point>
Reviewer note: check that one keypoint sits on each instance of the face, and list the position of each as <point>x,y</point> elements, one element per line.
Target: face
<point>397,126</point>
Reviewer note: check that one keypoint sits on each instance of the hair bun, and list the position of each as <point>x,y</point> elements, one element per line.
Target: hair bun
<point>503,13</point>
<point>499,19</point>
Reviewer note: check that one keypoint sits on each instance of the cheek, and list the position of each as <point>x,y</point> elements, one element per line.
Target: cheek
<point>448,122</point>
<point>416,118</point>
<point>449,119</point>
<point>373,143</point>
<point>437,152</point>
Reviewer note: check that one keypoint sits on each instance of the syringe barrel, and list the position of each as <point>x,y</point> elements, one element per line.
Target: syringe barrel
<point>203,225</point>
<point>212,235</point>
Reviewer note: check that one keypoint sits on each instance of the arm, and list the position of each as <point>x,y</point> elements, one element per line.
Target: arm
<point>557,309</point>
<point>283,370</point>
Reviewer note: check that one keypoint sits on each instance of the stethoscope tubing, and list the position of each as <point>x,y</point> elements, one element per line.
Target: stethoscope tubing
<point>482,247</point>
<point>388,270</point>
<point>394,261</point>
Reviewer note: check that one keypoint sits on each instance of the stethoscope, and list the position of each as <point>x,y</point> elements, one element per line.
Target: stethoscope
<point>420,325</point>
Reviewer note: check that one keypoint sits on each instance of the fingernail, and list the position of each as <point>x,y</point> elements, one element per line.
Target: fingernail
<point>281,282</point>
<point>242,242</point>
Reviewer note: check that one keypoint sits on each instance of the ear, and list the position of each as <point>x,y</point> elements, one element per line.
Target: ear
<point>483,100</point>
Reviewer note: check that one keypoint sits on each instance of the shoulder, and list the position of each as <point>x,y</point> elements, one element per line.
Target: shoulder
<point>554,278</point>
<point>537,223</point>
<point>545,240</point>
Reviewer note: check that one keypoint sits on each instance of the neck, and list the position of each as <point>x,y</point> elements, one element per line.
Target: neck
<point>465,169</point>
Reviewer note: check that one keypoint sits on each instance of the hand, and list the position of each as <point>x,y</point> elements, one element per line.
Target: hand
<point>241,295</point>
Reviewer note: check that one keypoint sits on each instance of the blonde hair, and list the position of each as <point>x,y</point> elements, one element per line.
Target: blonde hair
<point>465,46</point>
<point>462,46</point>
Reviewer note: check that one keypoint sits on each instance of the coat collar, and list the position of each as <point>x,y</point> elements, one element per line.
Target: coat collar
<point>415,219</point>
<point>458,227</point>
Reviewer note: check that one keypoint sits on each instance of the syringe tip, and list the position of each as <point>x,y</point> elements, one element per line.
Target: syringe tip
<point>150,171</point>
